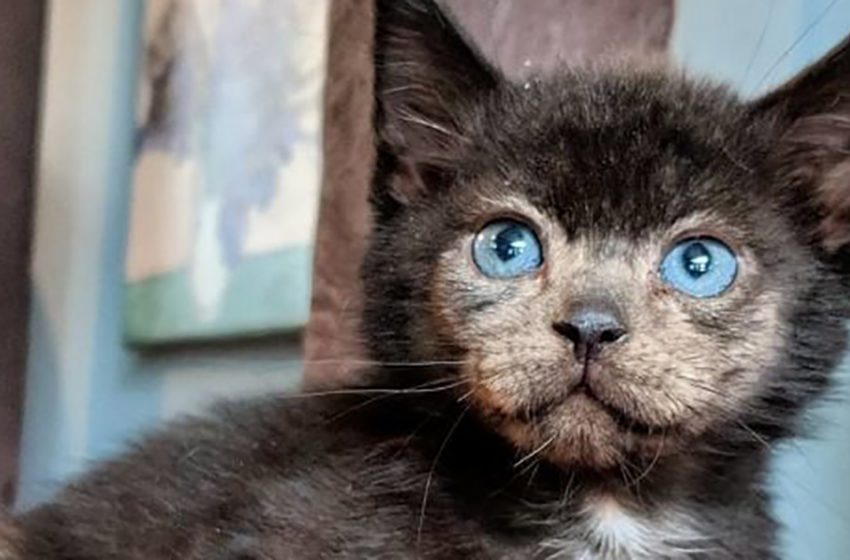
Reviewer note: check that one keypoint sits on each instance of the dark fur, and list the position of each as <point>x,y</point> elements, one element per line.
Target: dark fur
<point>402,467</point>
<point>9,539</point>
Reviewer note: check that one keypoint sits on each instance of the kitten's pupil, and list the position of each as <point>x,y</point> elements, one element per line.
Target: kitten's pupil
<point>697,259</point>
<point>509,243</point>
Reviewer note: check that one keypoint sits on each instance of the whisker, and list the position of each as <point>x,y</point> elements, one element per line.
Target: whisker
<point>760,41</point>
<point>654,461</point>
<point>398,364</point>
<point>430,478</point>
<point>542,447</point>
<point>420,389</point>
<point>820,17</point>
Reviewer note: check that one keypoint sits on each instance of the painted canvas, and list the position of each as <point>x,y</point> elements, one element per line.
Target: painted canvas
<point>227,171</point>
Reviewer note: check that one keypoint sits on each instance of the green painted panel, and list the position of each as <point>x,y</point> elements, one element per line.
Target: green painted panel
<point>265,294</point>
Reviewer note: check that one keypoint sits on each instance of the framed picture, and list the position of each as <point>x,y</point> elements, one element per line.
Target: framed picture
<point>227,171</point>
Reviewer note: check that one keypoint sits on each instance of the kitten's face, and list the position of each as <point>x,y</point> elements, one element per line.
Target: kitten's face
<point>595,354</point>
<point>620,264</point>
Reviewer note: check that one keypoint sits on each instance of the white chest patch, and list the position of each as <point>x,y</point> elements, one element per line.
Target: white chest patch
<point>608,531</point>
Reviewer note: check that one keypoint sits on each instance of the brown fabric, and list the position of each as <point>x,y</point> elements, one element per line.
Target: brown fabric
<point>343,212</point>
<point>518,35</point>
<point>522,36</point>
<point>20,56</point>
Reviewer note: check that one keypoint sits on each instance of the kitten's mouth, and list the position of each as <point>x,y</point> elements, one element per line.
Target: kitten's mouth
<point>624,421</point>
<point>580,427</point>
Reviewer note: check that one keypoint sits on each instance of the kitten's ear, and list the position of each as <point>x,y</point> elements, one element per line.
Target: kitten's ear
<point>426,76</point>
<point>813,111</point>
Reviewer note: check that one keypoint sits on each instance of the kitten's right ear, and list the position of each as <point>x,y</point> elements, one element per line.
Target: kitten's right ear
<point>426,76</point>
<point>813,144</point>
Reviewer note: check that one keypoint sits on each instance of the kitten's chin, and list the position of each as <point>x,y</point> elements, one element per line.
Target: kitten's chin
<point>582,432</point>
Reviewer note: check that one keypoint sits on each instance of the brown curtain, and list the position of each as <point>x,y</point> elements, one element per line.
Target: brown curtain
<point>518,35</point>
<point>21,24</point>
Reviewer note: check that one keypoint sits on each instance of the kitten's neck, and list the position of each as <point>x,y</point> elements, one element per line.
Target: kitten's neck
<point>637,509</point>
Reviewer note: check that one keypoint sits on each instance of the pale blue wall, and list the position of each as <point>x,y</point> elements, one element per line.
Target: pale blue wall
<point>86,394</point>
<point>719,38</point>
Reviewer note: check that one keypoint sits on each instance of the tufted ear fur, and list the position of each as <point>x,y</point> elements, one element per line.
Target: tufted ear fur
<point>813,111</point>
<point>426,77</point>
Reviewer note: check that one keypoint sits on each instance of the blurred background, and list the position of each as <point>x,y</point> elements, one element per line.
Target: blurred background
<point>172,173</point>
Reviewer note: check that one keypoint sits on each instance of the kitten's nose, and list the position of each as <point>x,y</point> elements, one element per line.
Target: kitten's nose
<point>590,328</point>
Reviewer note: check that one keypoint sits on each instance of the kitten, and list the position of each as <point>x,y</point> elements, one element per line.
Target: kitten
<point>8,538</point>
<point>599,297</point>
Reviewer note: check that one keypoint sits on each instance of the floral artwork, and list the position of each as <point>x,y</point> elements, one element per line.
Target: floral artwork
<point>227,171</point>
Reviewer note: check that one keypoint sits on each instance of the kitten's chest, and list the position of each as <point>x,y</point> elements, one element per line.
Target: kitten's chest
<point>604,530</point>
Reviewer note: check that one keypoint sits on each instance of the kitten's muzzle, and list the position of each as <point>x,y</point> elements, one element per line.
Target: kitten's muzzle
<point>590,328</point>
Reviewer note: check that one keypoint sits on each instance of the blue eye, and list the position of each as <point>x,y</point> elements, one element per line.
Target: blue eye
<point>700,267</point>
<point>506,249</point>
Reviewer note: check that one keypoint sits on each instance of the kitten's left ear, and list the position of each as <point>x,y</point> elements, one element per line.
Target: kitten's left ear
<point>813,110</point>
<point>426,78</point>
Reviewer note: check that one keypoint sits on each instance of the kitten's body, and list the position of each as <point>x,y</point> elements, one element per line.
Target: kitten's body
<point>498,438</point>
<point>8,538</point>
<point>305,478</point>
